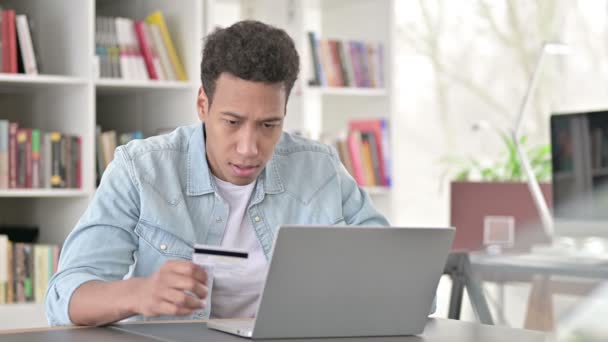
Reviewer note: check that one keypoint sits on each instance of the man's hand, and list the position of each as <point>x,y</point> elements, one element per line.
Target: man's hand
<point>176,289</point>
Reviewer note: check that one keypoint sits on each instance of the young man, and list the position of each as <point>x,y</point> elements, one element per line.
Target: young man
<point>230,181</point>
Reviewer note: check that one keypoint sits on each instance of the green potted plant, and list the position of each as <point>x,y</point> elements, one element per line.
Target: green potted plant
<point>482,193</point>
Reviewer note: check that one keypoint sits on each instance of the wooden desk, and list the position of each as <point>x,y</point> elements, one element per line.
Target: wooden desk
<point>436,330</point>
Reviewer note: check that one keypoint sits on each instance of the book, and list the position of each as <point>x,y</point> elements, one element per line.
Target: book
<point>77,161</point>
<point>345,65</point>
<point>367,162</point>
<point>4,67</point>
<point>146,49</point>
<point>314,54</point>
<point>12,154</point>
<point>4,137</point>
<point>108,145</point>
<point>41,271</point>
<point>35,162</point>
<point>336,63</point>
<point>4,265</point>
<point>354,149</point>
<point>155,53</point>
<point>24,158</point>
<point>25,43</point>
<point>47,164</point>
<point>57,180</point>
<point>369,137</point>
<point>156,18</point>
<point>19,272</point>
<point>12,42</point>
<point>163,54</point>
<point>10,275</point>
<point>135,51</point>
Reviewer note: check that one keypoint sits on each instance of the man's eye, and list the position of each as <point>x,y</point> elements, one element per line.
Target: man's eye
<point>270,125</point>
<point>232,122</point>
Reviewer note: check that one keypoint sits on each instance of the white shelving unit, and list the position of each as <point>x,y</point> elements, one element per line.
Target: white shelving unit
<point>67,97</point>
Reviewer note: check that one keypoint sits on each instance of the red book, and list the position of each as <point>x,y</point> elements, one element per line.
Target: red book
<point>12,42</point>
<point>354,148</point>
<point>12,154</point>
<point>336,63</point>
<point>5,53</point>
<point>144,46</point>
<point>378,128</point>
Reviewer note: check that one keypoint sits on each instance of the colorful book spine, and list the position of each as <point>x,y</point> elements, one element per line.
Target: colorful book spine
<point>354,148</point>
<point>12,42</point>
<point>146,50</point>
<point>157,19</point>
<point>35,174</point>
<point>25,43</point>
<point>57,180</point>
<point>24,158</point>
<point>12,154</point>
<point>4,137</point>
<point>4,265</point>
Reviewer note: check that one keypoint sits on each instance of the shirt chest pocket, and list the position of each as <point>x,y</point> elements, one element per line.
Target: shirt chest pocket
<point>157,246</point>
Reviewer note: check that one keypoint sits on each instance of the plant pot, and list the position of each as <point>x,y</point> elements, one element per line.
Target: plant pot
<point>484,213</point>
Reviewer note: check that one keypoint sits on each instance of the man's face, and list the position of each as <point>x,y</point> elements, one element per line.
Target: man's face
<point>243,125</point>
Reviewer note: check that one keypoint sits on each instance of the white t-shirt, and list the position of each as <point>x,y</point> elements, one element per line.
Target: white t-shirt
<point>238,296</point>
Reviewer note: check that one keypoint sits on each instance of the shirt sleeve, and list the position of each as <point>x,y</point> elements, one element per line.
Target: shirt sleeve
<point>102,244</point>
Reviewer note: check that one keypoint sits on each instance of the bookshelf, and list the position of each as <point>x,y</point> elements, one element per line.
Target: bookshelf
<point>68,96</point>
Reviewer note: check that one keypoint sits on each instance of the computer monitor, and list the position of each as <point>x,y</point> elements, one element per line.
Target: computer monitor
<point>579,144</point>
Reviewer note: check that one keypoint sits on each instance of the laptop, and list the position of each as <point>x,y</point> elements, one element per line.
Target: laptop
<point>332,281</point>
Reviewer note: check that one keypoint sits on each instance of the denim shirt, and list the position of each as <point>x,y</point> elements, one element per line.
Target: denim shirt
<point>157,199</point>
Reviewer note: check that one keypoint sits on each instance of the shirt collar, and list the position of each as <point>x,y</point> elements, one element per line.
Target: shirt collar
<point>199,177</point>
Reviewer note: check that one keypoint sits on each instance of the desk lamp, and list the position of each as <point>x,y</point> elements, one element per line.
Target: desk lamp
<point>537,196</point>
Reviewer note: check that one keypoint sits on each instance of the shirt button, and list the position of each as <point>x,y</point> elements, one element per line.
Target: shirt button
<point>163,247</point>
<point>218,219</point>
<point>257,219</point>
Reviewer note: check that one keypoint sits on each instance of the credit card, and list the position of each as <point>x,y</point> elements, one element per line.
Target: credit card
<point>220,259</point>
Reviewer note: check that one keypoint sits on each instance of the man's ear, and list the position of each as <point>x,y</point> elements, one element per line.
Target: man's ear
<point>202,104</point>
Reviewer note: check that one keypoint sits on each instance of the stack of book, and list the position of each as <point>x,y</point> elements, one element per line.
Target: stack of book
<point>346,63</point>
<point>364,151</point>
<point>25,270</point>
<point>17,54</point>
<point>140,50</point>
<point>30,158</point>
<point>107,143</point>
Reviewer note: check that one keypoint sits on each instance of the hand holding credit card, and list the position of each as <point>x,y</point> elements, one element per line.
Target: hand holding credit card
<point>219,260</point>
